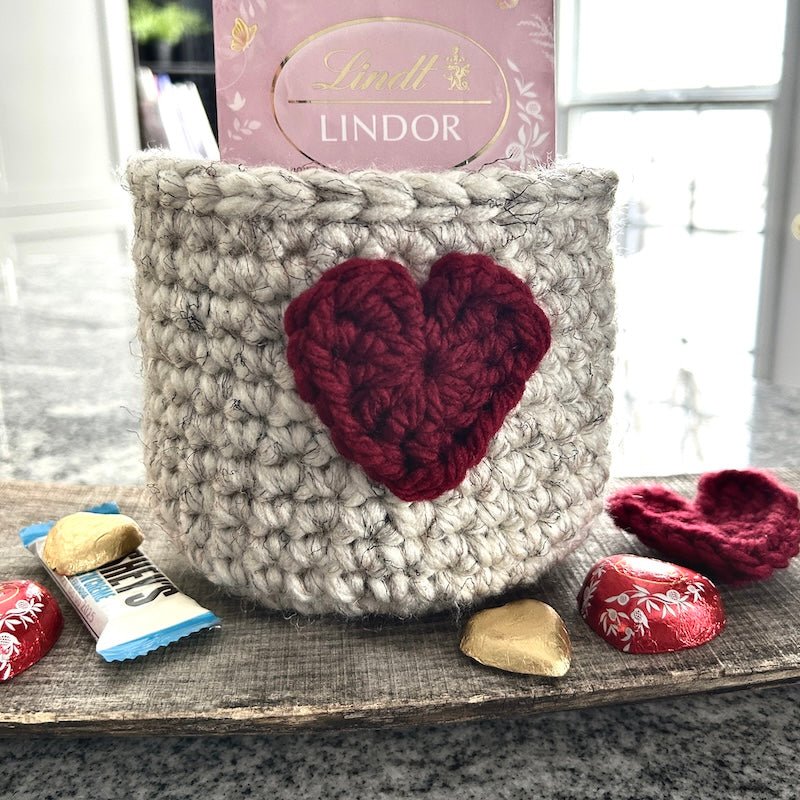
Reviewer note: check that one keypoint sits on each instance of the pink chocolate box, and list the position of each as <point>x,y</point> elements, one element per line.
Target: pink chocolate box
<point>392,85</point>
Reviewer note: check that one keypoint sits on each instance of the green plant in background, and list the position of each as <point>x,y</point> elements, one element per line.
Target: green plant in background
<point>168,23</point>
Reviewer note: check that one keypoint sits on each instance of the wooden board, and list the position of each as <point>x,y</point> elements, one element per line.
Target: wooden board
<point>265,671</point>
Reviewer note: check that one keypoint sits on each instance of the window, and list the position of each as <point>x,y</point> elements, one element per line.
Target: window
<point>678,98</point>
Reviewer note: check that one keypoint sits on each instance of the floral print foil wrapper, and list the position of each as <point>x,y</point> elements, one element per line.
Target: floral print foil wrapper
<point>30,624</point>
<point>642,605</point>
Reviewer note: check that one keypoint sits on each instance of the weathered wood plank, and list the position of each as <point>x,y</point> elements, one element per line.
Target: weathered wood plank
<point>264,671</point>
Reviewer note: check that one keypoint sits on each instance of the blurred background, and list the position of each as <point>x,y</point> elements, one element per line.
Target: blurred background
<point>694,104</point>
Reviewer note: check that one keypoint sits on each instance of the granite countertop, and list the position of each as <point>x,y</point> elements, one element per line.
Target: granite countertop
<point>69,406</point>
<point>739,745</point>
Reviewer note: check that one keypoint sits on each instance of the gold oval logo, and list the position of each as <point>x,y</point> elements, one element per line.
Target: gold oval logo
<point>391,93</point>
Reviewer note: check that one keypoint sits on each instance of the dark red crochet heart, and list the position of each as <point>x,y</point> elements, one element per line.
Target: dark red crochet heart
<point>413,383</point>
<point>742,525</point>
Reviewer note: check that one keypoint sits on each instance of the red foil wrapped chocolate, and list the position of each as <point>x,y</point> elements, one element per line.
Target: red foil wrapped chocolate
<point>642,605</point>
<point>30,624</point>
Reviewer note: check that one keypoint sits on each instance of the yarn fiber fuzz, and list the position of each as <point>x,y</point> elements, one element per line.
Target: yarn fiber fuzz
<point>246,478</point>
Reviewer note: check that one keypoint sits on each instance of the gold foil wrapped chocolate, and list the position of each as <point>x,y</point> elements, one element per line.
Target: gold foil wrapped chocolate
<point>524,636</point>
<point>84,541</point>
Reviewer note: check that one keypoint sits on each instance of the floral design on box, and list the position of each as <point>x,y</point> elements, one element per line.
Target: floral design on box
<point>360,85</point>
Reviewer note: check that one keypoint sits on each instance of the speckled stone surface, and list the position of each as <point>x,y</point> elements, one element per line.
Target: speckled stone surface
<point>739,745</point>
<point>70,392</point>
<point>69,410</point>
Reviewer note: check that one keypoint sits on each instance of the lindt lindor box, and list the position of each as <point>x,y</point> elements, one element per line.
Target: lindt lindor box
<point>391,84</point>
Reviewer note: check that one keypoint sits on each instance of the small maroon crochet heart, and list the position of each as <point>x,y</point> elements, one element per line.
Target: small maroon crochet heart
<point>741,526</point>
<point>413,383</point>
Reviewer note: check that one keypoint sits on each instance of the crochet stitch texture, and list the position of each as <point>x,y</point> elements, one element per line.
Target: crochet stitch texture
<point>246,479</point>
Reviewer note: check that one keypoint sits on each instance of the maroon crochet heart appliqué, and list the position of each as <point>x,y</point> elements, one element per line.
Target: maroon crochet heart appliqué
<point>742,525</point>
<point>413,383</point>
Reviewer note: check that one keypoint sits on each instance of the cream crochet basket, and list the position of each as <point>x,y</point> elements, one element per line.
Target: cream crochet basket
<point>247,480</point>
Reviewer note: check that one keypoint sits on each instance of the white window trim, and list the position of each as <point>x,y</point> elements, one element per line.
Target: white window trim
<point>777,356</point>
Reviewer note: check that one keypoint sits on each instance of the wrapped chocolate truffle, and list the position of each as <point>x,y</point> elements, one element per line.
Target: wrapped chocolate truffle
<point>30,624</point>
<point>642,605</point>
<point>84,541</point>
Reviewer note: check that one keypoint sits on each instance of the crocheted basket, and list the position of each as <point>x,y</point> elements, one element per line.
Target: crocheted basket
<point>265,472</point>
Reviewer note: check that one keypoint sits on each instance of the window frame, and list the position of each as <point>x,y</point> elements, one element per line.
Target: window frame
<point>777,334</point>
<point>777,356</point>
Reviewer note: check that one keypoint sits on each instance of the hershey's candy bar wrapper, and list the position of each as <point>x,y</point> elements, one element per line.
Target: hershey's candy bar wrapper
<point>128,605</point>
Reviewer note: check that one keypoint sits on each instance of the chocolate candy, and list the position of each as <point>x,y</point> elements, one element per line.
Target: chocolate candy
<point>30,624</point>
<point>128,605</point>
<point>82,542</point>
<point>524,636</point>
<point>642,605</point>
